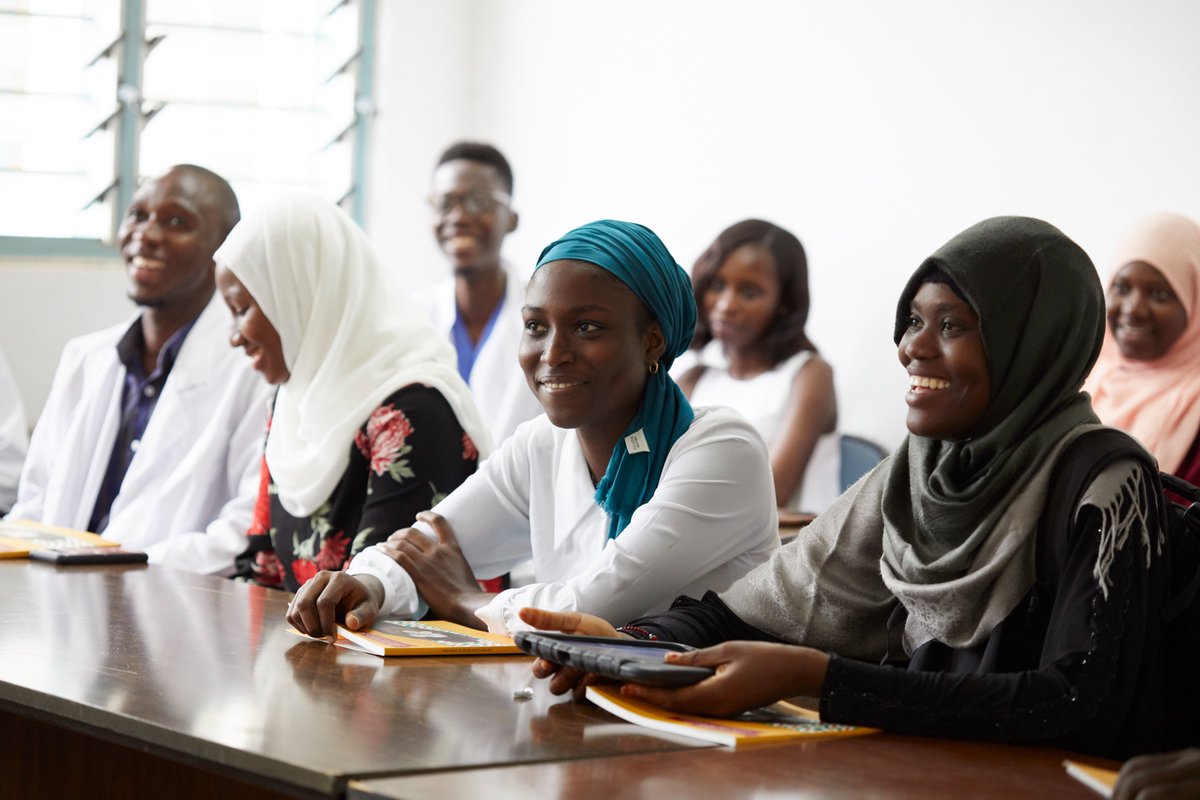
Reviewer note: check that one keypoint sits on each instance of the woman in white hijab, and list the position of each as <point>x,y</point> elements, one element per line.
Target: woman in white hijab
<point>371,423</point>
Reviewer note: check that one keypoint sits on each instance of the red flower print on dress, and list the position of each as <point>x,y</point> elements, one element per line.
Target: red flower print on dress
<point>303,570</point>
<point>268,569</point>
<point>470,452</point>
<point>333,551</point>
<point>384,440</point>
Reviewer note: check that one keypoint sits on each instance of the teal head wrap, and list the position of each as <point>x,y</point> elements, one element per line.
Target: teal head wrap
<point>636,256</point>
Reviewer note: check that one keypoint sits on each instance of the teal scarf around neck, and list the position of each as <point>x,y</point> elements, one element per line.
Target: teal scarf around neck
<point>638,258</point>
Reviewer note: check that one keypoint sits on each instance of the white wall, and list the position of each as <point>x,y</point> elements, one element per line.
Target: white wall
<point>424,77</point>
<point>874,130</point>
<point>43,303</point>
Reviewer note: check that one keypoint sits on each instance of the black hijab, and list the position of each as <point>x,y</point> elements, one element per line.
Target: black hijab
<point>1041,318</point>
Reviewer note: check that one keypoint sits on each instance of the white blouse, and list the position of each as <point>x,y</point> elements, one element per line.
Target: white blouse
<point>763,400</point>
<point>710,521</point>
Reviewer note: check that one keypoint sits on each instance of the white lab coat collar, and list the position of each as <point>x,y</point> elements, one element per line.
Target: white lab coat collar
<point>171,428</point>
<point>497,382</point>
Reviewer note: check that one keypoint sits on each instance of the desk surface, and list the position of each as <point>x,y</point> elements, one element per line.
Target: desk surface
<point>205,670</point>
<point>877,766</point>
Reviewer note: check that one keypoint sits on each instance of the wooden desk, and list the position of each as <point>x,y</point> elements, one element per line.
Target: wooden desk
<point>139,681</point>
<point>878,766</point>
<point>145,682</point>
<point>792,524</point>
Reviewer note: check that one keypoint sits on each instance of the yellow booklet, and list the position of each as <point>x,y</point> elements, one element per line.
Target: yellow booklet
<point>1101,781</point>
<point>427,638</point>
<point>780,722</point>
<point>18,538</point>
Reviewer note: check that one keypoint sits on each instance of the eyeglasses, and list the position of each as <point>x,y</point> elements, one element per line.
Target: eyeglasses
<point>478,201</point>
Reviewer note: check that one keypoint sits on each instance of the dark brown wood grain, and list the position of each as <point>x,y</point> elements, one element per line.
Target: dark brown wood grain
<point>205,671</point>
<point>878,766</point>
<point>144,681</point>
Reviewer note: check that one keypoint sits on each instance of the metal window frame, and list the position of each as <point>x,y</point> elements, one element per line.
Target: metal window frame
<point>128,138</point>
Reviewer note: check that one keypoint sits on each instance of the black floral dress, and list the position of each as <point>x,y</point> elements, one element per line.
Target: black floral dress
<point>409,454</point>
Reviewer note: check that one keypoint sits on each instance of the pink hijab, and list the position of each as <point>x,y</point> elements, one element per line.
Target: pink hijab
<point>1157,401</point>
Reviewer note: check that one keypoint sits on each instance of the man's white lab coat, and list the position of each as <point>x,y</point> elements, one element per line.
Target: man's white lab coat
<point>189,494</point>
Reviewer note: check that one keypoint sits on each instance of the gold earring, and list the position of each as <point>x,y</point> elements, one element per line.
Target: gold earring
<point>653,368</point>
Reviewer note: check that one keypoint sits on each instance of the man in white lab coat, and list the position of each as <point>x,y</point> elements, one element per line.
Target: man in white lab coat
<point>14,436</point>
<point>479,308</point>
<point>152,433</point>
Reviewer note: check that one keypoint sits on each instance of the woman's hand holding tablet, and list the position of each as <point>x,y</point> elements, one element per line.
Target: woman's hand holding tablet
<point>565,678</point>
<point>721,680</point>
<point>625,660</point>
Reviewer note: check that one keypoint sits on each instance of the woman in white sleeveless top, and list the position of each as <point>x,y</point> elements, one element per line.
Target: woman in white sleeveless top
<point>751,353</point>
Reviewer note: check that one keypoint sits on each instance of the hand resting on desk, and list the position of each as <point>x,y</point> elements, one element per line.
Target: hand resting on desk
<point>441,574</point>
<point>330,597</point>
<point>1163,776</point>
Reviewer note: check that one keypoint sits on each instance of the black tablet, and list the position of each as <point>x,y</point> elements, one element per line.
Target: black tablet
<point>90,555</point>
<point>627,660</point>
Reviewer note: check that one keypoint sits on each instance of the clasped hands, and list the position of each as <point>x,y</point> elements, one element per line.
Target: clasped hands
<point>747,674</point>
<point>438,568</point>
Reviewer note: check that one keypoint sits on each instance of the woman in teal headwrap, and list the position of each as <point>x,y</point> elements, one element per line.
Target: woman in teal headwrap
<point>622,494</point>
<point>638,258</point>
<point>1000,576</point>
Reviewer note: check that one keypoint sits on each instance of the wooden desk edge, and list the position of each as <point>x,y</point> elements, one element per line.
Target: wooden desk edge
<point>181,748</point>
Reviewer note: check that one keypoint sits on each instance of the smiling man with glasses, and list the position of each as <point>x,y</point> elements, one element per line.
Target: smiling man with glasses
<point>479,307</point>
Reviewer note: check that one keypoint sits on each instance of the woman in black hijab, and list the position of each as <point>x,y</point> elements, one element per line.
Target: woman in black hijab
<point>937,596</point>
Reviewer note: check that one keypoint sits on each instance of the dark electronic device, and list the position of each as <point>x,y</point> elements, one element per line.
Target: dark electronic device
<point>90,555</point>
<point>626,660</point>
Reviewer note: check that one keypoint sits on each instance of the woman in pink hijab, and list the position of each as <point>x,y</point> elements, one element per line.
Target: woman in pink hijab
<point>1147,380</point>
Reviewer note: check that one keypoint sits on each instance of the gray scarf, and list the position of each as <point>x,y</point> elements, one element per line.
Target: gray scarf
<point>948,527</point>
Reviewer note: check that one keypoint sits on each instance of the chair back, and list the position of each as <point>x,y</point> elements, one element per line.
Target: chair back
<point>859,455</point>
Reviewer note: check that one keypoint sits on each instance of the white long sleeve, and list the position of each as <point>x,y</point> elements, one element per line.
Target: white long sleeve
<point>711,520</point>
<point>14,435</point>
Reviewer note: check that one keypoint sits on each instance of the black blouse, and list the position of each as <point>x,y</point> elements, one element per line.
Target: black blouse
<point>1068,667</point>
<point>409,454</point>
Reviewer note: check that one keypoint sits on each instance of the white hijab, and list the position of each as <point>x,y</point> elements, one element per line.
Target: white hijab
<point>350,334</point>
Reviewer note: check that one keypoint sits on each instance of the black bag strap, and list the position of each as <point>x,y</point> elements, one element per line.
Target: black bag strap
<point>1182,599</point>
<point>1186,541</point>
<point>1188,492</point>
